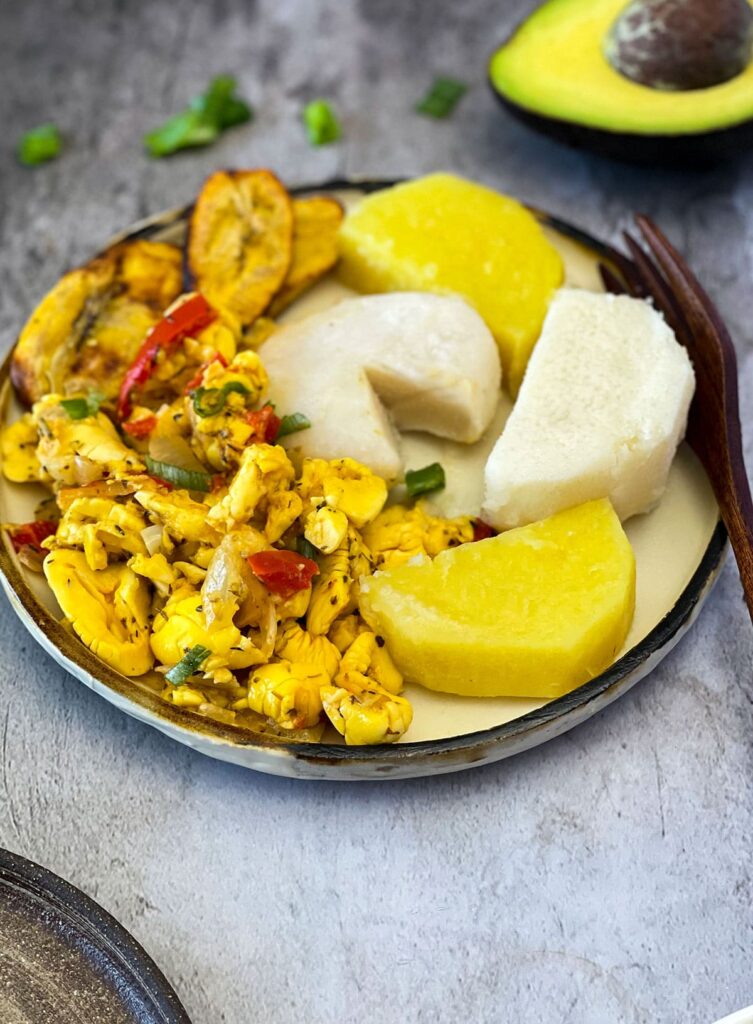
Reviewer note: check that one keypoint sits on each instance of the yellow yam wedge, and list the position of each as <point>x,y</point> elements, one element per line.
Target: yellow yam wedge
<point>533,612</point>
<point>444,234</point>
<point>240,241</point>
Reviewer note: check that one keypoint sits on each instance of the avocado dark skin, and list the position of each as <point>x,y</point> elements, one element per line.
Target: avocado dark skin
<point>702,150</point>
<point>667,45</point>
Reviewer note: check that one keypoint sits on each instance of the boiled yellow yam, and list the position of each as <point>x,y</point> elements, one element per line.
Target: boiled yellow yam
<point>444,234</point>
<point>533,612</point>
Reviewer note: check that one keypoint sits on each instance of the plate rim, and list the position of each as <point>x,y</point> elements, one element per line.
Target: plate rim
<point>75,655</point>
<point>99,927</point>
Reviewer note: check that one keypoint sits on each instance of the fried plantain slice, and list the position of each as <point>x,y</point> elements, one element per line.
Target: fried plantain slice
<point>86,331</point>
<point>316,221</point>
<point>240,241</point>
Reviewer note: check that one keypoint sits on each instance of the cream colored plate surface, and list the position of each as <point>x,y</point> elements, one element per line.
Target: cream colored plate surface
<point>669,543</point>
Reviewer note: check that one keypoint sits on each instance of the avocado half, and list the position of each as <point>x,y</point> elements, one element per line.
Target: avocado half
<point>554,75</point>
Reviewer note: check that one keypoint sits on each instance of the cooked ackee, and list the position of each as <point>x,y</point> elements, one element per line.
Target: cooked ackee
<point>232,519</point>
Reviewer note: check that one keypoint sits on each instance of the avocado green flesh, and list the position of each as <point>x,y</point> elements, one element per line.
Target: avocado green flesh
<point>554,66</point>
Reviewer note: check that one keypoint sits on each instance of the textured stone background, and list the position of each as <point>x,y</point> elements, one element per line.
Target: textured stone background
<point>603,878</point>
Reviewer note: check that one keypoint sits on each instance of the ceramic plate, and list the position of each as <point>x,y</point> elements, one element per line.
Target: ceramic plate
<point>63,959</point>
<point>679,549</point>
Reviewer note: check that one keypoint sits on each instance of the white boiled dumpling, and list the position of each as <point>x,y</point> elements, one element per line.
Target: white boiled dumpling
<point>602,408</point>
<point>368,365</point>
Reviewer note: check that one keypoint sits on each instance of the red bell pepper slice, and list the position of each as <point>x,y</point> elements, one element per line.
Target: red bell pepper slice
<point>140,428</point>
<point>188,319</point>
<point>283,572</point>
<point>265,424</point>
<point>31,534</point>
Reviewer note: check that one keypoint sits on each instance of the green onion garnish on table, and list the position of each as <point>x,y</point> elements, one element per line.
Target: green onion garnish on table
<point>442,98</point>
<point>39,145</point>
<point>322,126</point>
<point>292,423</point>
<point>421,481</point>
<point>176,476</point>
<point>201,123</point>
<point>187,665</point>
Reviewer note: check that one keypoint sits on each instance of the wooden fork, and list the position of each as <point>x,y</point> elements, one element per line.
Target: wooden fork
<point>714,420</point>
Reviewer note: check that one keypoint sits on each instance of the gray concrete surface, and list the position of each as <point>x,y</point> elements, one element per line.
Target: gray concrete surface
<point>603,878</point>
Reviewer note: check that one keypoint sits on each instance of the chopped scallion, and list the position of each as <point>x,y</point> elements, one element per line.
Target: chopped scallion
<point>39,145</point>
<point>306,548</point>
<point>322,126</point>
<point>292,423</point>
<point>442,98</point>
<point>421,481</point>
<point>80,408</point>
<point>188,664</point>
<point>188,479</point>
<point>210,401</point>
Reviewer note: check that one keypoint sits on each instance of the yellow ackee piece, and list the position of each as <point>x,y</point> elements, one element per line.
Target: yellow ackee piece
<point>155,568</point>
<point>182,625</point>
<point>362,703</point>
<point>181,516</point>
<point>343,631</point>
<point>80,451</point>
<point>400,533</point>
<point>264,469</point>
<point>288,693</point>
<point>533,612</point>
<point>345,485</point>
<point>296,644</point>
<point>219,439</point>
<point>108,608</point>
<point>101,526</point>
<point>444,234</point>
<point>335,588</point>
<point>367,658</point>
<point>326,528</point>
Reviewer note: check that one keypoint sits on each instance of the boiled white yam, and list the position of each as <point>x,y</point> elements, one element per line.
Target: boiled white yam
<point>374,364</point>
<point>602,408</point>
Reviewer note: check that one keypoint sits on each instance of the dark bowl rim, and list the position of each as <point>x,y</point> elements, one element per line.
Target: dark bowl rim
<point>324,754</point>
<point>100,928</point>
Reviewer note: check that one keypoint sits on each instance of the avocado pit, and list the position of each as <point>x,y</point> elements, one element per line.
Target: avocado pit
<point>680,45</point>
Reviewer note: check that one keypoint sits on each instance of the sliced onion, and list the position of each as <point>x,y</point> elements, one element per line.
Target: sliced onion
<point>152,537</point>
<point>267,645</point>
<point>31,558</point>
<point>86,470</point>
<point>173,449</point>
<point>224,580</point>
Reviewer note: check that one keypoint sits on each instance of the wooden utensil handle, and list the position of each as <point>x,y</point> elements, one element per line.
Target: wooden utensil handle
<point>736,506</point>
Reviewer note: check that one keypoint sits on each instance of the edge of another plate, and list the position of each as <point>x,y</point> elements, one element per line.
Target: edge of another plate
<point>244,746</point>
<point>114,955</point>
